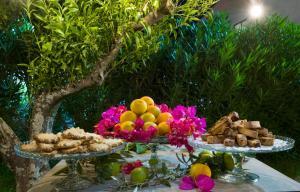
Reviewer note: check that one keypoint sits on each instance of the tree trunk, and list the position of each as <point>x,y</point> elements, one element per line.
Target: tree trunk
<point>23,168</point>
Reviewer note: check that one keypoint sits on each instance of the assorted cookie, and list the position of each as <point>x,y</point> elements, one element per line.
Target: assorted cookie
<point>70,141</point>
<point>230,130</point>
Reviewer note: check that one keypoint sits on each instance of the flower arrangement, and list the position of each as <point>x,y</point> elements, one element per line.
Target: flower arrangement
<point>146,120</point>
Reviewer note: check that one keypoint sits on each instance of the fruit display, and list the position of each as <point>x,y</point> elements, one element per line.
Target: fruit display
<point>145,119</point>
<point>73,140</point>
<point>150,114</point>
<point>231,131</point>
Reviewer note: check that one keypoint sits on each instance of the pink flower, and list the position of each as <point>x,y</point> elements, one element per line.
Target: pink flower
<point>187,183</point>
<point>164,108</point>
<point>138,134</point>
<point>185,123</point>
<point>128,167</point>
<point>109,119</point>
<point>202,182</point>
<point>181,111</point>
<point>137,163</point>
<point>139,123</point>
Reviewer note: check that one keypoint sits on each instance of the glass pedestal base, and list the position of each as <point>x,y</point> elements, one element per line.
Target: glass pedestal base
<point>245,177</point>
<point>238,174</point>
<point>73,181</point>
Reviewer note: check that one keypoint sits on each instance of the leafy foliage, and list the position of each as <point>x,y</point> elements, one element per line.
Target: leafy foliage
<point>71,35</point>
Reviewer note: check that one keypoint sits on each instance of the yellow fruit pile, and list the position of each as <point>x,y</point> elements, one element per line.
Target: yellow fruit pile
<point>146,109</point>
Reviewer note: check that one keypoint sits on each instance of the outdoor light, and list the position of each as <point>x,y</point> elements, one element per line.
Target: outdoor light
<point>256,11</point>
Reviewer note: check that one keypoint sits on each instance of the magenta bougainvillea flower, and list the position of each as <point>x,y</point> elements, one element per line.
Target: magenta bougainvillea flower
<point>185,123</point>
<point>164,108</point>
<point>202,182</point>
<point>110,118</point>
<point>128,167</point>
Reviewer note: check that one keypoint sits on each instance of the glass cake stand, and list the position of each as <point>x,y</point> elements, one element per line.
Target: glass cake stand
<point>73,180</point>
<point>154,143</point>
<point>238,174</point>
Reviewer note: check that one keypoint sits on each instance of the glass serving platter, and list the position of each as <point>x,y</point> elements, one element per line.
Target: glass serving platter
<point>73,181</point>
<point>238,174</point>
<point>59,156</point>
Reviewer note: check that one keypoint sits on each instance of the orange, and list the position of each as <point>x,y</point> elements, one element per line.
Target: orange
<point>127,126</point>
<point>148,124</point>
<point>149,100</point>
<point>154,110</point>
<point>162,117</point>
<point>163,128</point>
<point>127,116</point>
<point>199,169</point>
<point>138,106</point>
<point>148,117</point>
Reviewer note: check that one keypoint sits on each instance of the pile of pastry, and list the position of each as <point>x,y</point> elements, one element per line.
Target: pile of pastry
<point>231,130</point>
<point>73,140</point>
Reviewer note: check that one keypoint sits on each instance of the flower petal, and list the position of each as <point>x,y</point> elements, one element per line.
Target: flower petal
<point>186,183</point>
<point>204,183</point>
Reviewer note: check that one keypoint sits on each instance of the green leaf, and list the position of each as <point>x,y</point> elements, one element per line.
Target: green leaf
<point>141,148</point>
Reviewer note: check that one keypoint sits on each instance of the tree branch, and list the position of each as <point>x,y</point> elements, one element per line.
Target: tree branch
<point>98,75</point>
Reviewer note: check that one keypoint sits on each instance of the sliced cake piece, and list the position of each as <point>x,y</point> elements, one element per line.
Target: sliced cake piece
<point>254,143</point>
<point>215,139</point>
<point>263,132</point>
<point>267,141</point>
<point>220,126</point>
<point>253,125</point>
<point>241,140</point>
<point>248,132</point>
<point>229,142</point>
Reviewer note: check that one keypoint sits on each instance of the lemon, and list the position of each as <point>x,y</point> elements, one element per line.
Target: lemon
<point>127,126</point>
<point>154,110</point>
<point>228,161</point>
<point>149,100</point>
<point>148,124</point>
<point>163,128</point>
<point>148,117</point>
<point>162,117</point>
<point>139,175</point>
<point>199,169</point>
<point>127,116</point>
<point>138,106</point>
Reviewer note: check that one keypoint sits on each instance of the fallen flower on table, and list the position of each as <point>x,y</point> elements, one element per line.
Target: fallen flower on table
<point>202,182</point>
